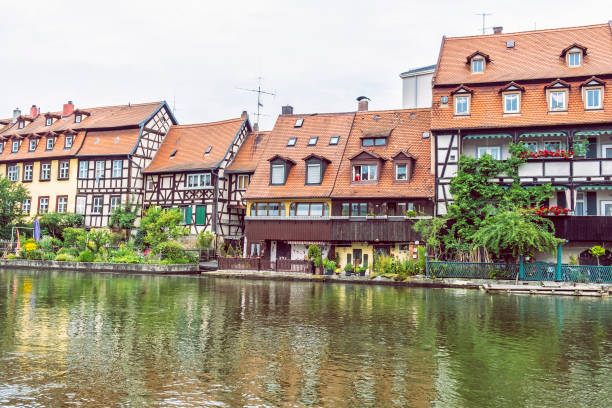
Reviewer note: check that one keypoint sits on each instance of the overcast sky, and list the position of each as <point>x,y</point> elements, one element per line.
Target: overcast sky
<point>315,55</point>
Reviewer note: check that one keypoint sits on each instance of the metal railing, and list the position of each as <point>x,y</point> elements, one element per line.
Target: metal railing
<point>472,270</point>
<point>258,264</point>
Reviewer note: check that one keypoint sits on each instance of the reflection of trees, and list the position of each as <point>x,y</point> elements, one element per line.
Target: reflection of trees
<point>145,340</point>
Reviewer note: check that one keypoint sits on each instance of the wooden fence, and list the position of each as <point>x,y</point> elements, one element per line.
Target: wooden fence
<point>257,264</point>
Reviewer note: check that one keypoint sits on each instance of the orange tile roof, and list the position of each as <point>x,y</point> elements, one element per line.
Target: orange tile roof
<point>191,142</point>
<point>323,126</point>
<point>486,109</point>
<point>109,142</point>
<point>248,156</point>
<point>536,54</point>
<point>406,135</point>
<point>23,154</point>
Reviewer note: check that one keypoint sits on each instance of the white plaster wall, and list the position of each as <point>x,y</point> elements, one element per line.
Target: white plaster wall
<point>300,251</point>
<point>417,91</point>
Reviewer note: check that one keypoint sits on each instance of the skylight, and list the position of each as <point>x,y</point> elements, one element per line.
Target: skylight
<point>313,141</point>
<point>208,149</point>
<point>291,141</point>
<point>173,153</point>
<point>334,140</point>
<point>299,123</point>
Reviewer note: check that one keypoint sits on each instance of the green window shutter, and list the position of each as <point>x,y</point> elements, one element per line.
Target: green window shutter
<point>188,215</point>
<point>201,215</point>
<point>561,201</point>
<point>591,202</point>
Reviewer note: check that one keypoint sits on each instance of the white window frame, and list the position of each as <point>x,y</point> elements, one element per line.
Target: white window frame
<point>599,105</point>
<point>310,176</point>
<point>550,100</point>
<point>28,172</point>
<point>198,180</point>
<point>480,62</point>
<point>40,205</point>
<point>21,124</point>
<point>49,122</point>
<point>45,171</point>
<point>115,202</point>
<point>580,199</point>
<point>117,170</point>
<point>397,167</point>
<point>77,118</point>
<point>15,147</point>
<point>99,169</point>
<point>242,182</point>
<point>32,145</point>
<point>532,143</point>
<point>571,63</point>
<point>605,146</point>
<point>12,172</point>
<point>602,206</point>
<point>372,176</point>
<point>64,169</point>
<point>83,169</point>
<point>467,104</point>
<point>50,143</point>
<point>546,143</point>
<point>68,142</point>
<point>482,150</point>
<point>26,206</point>
<point>280,173</point>
<point>80,205</point>
<point>96,204</point>
<point>507,96</point>
<point>62,204</point>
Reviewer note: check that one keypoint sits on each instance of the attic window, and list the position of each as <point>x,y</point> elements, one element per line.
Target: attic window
<point>21,124</point>
<point>313,141</point>
<point>291,141</point>
<point>49,122</point>
<point>510,44</point>
<point>477,65</point>
<point>574,58</point>
<point>208,149</point>
<point>77,118</point>
<point>376,117</point>
<point>32,146</point>
<point>334,140</point>
<point>299,123</point>
<point>374,141</point>
<point>444,100</point>
<point>173,153</point>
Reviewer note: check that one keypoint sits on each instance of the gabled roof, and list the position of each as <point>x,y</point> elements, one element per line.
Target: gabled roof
<point>406,139</point>
<point>249,153</point>
<point>316,156</point>
<point>557,83</point>
<point>512,86</point>
<point>461,89</point>
<point>403,154</point>
<point>41,152</point>
<point>535,55</point>
<point>593,81</point>
<point>323,126</point>
<point>109,142</point>
<point>191,143</point>
<point>478,53</point>
<point>571,47</point>
<point>282,158</point>
<point>366,153</point>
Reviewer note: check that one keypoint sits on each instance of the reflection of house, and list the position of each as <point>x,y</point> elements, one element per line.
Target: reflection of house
<point>343,181</point>
<point>544,88</point>
<point>189,172</point>
<point>87,161</point>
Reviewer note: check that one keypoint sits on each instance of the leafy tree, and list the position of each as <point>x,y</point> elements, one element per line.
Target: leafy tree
<point>161,225</point>
<point>476,199</point>
<point>11,196</point>
<point>97,239</point>
<point>55,223</point>
<point>597,251</point>
<point>512,233</point>
<point>124,217</point>
<point>205,240</point>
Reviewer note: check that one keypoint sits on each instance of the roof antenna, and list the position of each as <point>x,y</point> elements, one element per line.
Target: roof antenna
<point>174,103</point>
<point>484,15</point>
<point>259,92</point>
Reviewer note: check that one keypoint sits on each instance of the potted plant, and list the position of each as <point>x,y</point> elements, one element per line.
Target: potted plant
<point>411,213</point>
<point>362,270</point>
<point>330,267</point>
<point>314,255</point>
<point>348,269</point>
<point>580,146</point>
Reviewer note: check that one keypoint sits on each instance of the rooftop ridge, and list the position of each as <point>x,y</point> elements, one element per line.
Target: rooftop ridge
<point>204,124</point>
<point>545,30</point>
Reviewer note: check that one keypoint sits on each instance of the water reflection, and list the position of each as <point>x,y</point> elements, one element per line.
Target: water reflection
<point>102,340</point>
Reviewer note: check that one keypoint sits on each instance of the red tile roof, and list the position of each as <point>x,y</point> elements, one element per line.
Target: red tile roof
<point>536,54</point>
<point>41,152</point>
<point>249,154</point>
<point>109,142</point>
<point>190,143</point>
<point>406,135</point>
<point>323,126</point>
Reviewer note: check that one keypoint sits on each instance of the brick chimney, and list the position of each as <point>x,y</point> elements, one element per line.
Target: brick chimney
<point>362,103</point>
<point>16,114</point>
<point>498,30</point>
<point>68,109</point>
<point>34,111</point>
<point>287,110</point>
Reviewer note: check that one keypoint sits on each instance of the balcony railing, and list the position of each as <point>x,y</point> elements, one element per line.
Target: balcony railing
<point>332,229</point>
<point>583,228</point>
<point>564,168</point>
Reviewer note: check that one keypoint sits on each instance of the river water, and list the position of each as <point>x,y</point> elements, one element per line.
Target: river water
<point>95,340</point>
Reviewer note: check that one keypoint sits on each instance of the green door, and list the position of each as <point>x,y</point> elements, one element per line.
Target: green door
<point>188,212</point>
<point>201,215</point>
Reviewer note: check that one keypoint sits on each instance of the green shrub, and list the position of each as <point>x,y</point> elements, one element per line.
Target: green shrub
<point>73,252</point>
<point>63,257</point>
<point>49,244</point>
<point>96,239</point>
<point>411,213</point>
<point>125,254</point>
<point>192,257</point>
<point>47,256</point>
<point>205,240</point>
<point>115,238</point>
<point>75,238</point>
<point>422,258</point>
<point>348,268</point>
<point>331,265</point>
<point>86,256</point>
<point>55,223</point>
<point>171,250</point>
<point>10,256</point>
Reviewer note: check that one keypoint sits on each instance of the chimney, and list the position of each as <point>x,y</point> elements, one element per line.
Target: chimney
<point>287,110</point>
<point>34,111</point>
<point>16,114</point>
<point>255,127</point>
<point>498,30</point>
<point>68,109</point>
<point>244,114</point>
<point>362,103</point>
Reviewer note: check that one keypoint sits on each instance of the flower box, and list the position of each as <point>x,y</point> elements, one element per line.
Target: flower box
<point>559,154</point>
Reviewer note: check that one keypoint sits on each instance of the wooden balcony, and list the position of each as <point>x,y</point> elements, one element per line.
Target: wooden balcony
<point>331,229</point>
<point>583,228</point>
<point>563,170</point>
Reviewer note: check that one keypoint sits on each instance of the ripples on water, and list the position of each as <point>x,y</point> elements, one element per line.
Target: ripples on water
<point>73,339</point>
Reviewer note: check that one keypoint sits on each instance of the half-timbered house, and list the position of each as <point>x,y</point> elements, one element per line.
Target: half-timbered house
<point>189,173</point>
<point>547,89</point>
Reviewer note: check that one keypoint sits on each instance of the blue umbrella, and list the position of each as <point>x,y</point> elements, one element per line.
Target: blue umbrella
<point>36,230</point>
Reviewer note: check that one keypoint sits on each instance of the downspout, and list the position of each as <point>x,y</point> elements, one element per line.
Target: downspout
<point>216,202</point>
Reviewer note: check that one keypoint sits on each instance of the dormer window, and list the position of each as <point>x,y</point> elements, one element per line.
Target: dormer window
<point>573,55</point>
<point>15,147</point>
<point>315,169</point>
<point>50,142</point>
<point>557,96</point>
<point>49,122</point>
<point>511,97</point>
<point>364,172</point>
<point>574,59</point>
<point>592,93</point>
<point>477,65</point>
<point>278,174</point>
<point>279,170</point>
<point>462,99</point>
<point>21,124</point>
<point>32,146</point>
<point>77,118</point>
<point>404,166</point>
<point>1,146</point>
<point>68,142</point>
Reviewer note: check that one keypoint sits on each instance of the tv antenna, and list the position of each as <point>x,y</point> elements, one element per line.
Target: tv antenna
<point>259,93</point>
<point>484,16</point>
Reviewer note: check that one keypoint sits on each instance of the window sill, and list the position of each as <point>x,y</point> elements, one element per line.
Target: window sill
<point>63,178</point>
<point>511,114</point>
<point>26,181</point>
<point>462,115</point>
<point>44,180</point>
<point>195,188</point>
<point>558,111</point>
<point>593,109</point>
